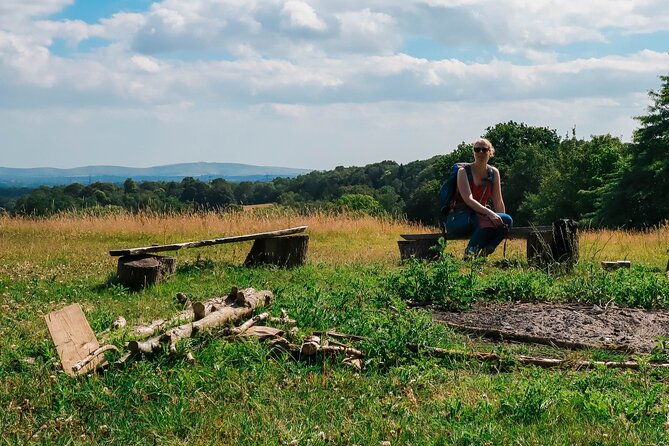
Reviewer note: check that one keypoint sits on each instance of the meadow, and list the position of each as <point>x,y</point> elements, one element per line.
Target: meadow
<point>243,393</point>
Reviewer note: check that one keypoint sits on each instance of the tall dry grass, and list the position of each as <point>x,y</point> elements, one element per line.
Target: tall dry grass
<point>76,244</point>
<point>70,243</point>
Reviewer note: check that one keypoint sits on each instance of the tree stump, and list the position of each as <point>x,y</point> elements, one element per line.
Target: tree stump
<point>142,270</point>
<point>284,251</point>
<point>667,272</point>
<point>565,242</point>
<point>419,249</point>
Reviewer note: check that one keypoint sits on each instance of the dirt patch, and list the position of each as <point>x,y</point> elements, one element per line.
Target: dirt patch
<point>566,324</point>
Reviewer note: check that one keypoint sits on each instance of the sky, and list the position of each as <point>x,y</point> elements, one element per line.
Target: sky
<point>313,83</point>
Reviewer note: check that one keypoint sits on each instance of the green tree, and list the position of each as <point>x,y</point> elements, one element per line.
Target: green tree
<point>359,204</point>
<point>638,197</point>
<point>523,154</point>
<point>573,185</point>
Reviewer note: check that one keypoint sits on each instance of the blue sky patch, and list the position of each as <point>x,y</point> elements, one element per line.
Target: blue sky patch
<point>91,11</point>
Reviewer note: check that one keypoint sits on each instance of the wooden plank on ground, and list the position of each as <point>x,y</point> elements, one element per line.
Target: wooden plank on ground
<point>199,243</point>
<point>73,337</point>
<point>514,233</point>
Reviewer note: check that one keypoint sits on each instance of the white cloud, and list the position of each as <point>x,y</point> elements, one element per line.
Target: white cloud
<point>339,70</point>
<point>300,15</point>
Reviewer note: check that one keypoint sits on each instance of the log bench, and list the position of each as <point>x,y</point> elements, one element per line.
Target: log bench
<point>557,243</point>
<point>139,267</point>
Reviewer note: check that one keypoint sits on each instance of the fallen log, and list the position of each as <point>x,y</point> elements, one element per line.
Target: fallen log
<point>532,360</point>
<point>510,336</point>
<point>247,301</point>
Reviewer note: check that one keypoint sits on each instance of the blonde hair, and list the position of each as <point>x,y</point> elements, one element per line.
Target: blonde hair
<point>485,142</point>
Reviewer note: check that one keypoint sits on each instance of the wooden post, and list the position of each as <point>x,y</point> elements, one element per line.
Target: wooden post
<point>565,242</point>
<point>140,271</point>
<point>284,251</point>
<point>419,249</point>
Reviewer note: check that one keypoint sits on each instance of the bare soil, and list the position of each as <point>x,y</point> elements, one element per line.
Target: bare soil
<point>565,324</point>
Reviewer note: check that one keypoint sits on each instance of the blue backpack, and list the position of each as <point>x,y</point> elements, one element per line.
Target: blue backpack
<point>450,188</point>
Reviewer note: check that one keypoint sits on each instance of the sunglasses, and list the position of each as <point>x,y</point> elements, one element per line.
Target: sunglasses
<point>481,149</point>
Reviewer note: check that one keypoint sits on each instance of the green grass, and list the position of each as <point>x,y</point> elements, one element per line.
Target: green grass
<point>242,393</point>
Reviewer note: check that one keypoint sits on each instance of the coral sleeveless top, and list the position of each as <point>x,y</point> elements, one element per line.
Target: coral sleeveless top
<point>479,193</point>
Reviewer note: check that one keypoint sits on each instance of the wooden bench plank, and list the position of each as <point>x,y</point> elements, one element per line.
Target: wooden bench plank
<point>514,233</point>
<point>199,243</point>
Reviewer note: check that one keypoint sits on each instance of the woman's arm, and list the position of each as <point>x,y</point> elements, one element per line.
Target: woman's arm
<point>497,200</point>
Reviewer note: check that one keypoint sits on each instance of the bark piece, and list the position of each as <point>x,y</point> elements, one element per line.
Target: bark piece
<point>286,251</point>
<point>74,339</point>
<point>140,271</point>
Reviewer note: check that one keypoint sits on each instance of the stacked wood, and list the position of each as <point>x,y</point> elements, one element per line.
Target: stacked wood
<point>140,271</point>
<point>246,302</point>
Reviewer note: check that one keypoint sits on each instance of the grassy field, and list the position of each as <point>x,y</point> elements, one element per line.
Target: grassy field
<point>241,393</point>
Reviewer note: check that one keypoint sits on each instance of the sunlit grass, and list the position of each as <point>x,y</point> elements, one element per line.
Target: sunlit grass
<point>239,393</point>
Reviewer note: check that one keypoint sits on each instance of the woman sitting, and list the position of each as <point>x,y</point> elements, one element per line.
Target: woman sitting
<point>469,214</point>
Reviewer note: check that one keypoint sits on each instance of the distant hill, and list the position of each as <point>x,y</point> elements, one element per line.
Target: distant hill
<point>31,177</point>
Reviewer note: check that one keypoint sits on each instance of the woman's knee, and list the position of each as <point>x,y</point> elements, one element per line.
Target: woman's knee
<point>506,218</point>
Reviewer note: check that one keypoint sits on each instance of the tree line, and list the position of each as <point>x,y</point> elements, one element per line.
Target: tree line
<point>599,181</point>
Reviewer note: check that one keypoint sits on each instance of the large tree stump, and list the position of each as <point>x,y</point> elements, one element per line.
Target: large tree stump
<point>284,251</point>
<point>140,271</point>
<point>419,249</point>
<point>565,242</point>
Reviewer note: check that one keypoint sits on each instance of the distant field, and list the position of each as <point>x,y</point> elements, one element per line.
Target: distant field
<point>241,393</point>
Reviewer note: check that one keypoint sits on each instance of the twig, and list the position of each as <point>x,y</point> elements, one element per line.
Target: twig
<point>92,356</point>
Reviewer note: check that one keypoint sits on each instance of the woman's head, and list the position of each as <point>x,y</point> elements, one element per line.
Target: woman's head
<point>483,145</point>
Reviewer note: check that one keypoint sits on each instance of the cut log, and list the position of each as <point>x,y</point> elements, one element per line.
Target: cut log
<point>231,313</point>
<point>286,251</point>
<point>140,271</point>
<point>311,345</point>
<point>613,265</point>
<point>421,249</point>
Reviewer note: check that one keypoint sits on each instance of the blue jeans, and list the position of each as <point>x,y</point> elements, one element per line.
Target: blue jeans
<point>462,221</point>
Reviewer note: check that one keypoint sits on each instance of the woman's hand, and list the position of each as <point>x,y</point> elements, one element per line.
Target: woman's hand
<point>495,219</point>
